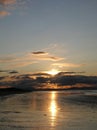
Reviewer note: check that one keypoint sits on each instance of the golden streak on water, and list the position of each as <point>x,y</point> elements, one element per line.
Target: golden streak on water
<point>53,108</point>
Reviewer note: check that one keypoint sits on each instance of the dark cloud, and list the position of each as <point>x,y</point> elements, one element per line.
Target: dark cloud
<point>41,74</point>
<point>27,83</point>
<point>2,71</point>
<point>65,73</point>
<point>74,79</point>
<point>69,73</point>
<point>39,53</point>
<point>45,81</point>
<point>54,58</point>
<point>13,72</point>
<point>9,71</point>
<point>2,77</point>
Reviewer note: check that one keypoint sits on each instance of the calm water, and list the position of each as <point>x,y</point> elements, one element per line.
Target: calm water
<point>67,110</point>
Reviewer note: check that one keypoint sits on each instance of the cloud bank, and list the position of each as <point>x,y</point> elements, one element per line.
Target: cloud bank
<point>40,81</point>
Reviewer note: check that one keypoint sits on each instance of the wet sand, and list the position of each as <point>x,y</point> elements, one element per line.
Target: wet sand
<point>48,110</point>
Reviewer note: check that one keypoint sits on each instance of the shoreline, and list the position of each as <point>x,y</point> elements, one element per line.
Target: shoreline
<point>10,91</point>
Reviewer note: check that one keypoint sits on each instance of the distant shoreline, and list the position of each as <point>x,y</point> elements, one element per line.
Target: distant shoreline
<point>10,91</point>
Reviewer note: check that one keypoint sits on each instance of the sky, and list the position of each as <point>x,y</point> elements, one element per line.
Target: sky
<point>44,35</point>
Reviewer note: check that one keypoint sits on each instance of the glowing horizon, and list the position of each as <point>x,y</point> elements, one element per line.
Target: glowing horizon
<point>52,72</point>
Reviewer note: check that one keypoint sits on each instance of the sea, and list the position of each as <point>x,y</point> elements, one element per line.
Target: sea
<point>49,110</point>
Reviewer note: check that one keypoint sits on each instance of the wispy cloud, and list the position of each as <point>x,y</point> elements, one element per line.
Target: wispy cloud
<point>67,65</point>
<point>7,59</point>
<point>21,64</point>
<point>7,2</point>
<point>25,59</point>
<point>15,61</point>
<point>13,72</point>
<point>7,6</point>
<point>39,53</point>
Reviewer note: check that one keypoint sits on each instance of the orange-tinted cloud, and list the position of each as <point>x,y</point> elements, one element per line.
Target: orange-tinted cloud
<point>7,2</point>
<point>21,64</point>
<point>25,59</point>
<point>67,65</point>
<point>48,58</point>
<point>4,13</point>
<point>15,61</point>
<point>10,5</point>
<point>40,81</point>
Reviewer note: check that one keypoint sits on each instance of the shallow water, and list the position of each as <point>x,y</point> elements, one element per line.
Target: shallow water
<point>49,110</point>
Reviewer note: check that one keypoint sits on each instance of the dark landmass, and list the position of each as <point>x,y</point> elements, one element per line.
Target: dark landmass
<point>74,97</point>
<point>10,91</point>
<point>65,89</point>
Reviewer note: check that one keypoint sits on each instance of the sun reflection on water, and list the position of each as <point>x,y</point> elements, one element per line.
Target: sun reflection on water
<point>53,108</point>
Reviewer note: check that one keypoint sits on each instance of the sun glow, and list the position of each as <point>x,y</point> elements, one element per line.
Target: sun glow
<point>53,72</point>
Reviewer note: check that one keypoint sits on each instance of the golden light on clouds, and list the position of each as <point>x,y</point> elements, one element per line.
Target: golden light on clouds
<point>7,2</point>
<point>73,65</point>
